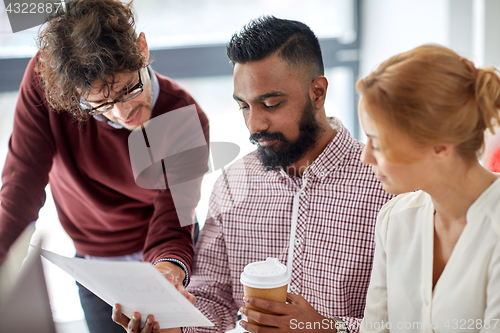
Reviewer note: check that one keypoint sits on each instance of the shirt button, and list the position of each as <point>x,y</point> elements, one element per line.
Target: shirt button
<point>297,241</point>
<point>293,288</point>
<point>322,174</point>
<point>302,193</point>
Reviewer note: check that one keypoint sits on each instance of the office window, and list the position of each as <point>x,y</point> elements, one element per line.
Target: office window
<point>200,22</point>
<point>172,23</point>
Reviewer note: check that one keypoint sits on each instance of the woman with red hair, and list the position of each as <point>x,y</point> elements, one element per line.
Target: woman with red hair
<point>437,257</point>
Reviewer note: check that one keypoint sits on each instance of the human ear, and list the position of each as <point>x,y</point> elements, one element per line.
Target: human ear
<point>143,46</point>
<point>442,151</point>
<point>318,91</point>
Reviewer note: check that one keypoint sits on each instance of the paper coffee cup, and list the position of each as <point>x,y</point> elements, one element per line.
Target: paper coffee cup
<point>265,279</point>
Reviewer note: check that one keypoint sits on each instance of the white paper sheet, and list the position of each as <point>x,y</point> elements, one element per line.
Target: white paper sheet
<point>136,286</point>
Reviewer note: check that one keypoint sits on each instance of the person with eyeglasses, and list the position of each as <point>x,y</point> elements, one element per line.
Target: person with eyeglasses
<point>128,95</point>
<point>87,88</point>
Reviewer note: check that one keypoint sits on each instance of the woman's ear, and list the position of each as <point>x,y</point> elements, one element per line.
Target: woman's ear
<point>443,151</point>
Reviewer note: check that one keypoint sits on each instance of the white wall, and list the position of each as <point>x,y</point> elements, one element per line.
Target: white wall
<point>469,27</point>
<point>389,27</point>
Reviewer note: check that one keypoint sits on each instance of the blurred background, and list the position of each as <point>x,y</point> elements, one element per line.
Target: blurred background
<point>187,42</point>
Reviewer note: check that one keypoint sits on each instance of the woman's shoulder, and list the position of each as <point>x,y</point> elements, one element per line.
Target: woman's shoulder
<point>488,204</point>
<point>406,201</point>
<point>401,211</point>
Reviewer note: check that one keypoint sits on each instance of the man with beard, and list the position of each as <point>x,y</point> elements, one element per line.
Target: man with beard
<point>83,93</point>
<point>305,178</point>
<point>289,152</point>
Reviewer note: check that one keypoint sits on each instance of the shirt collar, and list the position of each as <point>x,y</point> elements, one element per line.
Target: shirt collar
<point>334,153</point>
<point>156,92</point>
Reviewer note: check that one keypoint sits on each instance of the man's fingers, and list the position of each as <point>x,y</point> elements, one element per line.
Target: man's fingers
<point>293,299</point>
<point>191,298</point>
<point>187,294</point>
<point>259,317</point>
<point>156,328</point>
<point>149,324</point>
<point>264,304</point>
<point>257,328</point>
<point>118,317</point>
<point>134,325</point>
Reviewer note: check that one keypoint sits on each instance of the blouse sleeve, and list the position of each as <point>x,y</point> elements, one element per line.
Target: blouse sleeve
<point>491,322</point>
<point>376,315</point>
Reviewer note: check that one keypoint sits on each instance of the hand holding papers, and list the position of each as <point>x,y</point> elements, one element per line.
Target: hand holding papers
<point>136,286</point>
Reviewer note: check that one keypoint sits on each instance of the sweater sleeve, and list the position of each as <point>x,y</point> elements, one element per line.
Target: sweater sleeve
<point>28,162</point>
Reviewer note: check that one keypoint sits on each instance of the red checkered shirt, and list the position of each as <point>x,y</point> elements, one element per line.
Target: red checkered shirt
<point>250,217</point>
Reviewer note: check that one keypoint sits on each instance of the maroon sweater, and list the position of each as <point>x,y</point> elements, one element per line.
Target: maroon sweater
<point>89,171</point>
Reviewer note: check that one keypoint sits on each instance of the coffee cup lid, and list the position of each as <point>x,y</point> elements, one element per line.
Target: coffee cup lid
<point>265,274</point>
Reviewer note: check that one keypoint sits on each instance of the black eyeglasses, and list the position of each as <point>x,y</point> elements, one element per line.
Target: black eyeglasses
<point>105,107</point>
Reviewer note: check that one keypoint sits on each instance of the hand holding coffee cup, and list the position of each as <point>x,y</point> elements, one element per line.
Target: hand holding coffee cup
<point>265,279</point>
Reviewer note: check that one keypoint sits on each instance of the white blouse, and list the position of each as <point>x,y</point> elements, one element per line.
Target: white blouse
<point>467,294</point>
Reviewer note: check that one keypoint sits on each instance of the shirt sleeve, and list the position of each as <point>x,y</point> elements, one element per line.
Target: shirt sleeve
<point>211,280</point>
<point>352,323</point>
<point>376,301</point>
<point>28,162</point>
